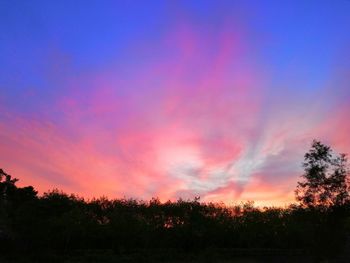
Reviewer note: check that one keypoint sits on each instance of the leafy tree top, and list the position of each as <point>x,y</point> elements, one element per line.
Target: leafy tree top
<point>325,182</point>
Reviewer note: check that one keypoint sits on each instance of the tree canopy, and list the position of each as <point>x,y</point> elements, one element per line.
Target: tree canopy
<point>325,182</point>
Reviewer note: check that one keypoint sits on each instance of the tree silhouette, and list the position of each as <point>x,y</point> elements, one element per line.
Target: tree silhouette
<point>325,181</point>
<point>7,184</point>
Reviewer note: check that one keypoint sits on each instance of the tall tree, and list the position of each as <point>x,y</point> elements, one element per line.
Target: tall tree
<point>325,182</point>
<point>6,181</point>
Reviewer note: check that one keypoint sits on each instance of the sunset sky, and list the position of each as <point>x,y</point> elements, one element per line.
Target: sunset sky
<point>217,99</point>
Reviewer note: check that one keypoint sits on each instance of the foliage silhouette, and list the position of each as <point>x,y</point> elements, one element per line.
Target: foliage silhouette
<point>326,178</point>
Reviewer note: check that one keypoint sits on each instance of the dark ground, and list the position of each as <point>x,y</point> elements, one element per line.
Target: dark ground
<point>171,256</point>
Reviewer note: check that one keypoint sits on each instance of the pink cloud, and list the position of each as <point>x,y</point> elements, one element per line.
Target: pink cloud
<point>186,124</point>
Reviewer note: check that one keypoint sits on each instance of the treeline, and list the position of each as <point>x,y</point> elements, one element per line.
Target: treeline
<point>317,226</point>
<point>66,222</point>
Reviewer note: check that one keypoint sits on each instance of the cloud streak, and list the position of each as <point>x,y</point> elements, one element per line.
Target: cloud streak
<point>194,112</point>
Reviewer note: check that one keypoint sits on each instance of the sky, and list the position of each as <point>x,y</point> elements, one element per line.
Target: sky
<point>172,99</point>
